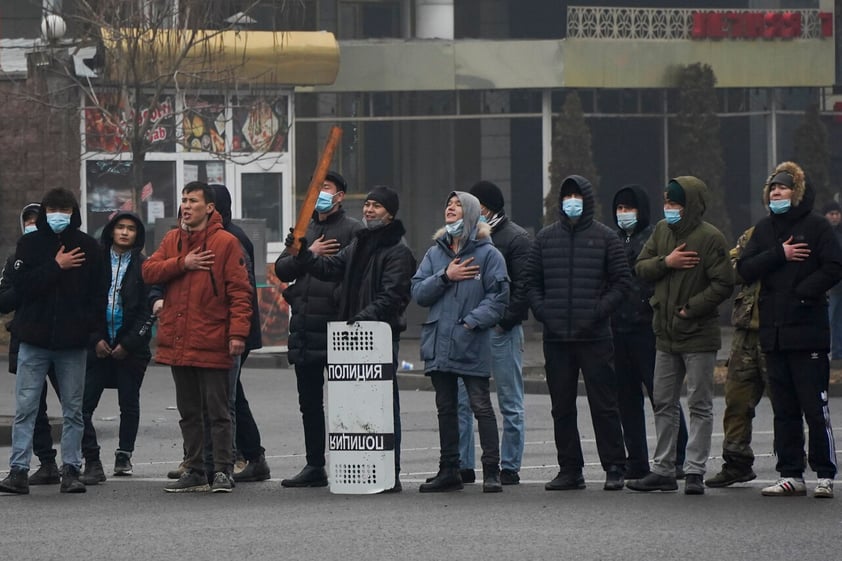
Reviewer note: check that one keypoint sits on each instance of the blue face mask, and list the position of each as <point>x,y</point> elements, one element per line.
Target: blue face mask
<point>672,215</point>
<point>29,228</point>
<point>58,221</point>
<point>454,228</point>
<point>780,206</point>
<point>627,220</point>
<point>325,202</point>
<point>572,207</point>
<point>483,219</point>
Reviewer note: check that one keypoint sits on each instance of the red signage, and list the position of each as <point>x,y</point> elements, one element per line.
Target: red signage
<point>754,25</point>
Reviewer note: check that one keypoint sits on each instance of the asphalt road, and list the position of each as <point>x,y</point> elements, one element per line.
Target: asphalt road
<point>133,518</point>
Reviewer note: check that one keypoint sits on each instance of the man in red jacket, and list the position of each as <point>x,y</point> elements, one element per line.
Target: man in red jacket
<point>204,322</point>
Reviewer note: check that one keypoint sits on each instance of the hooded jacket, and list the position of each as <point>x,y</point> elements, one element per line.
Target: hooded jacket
<point>58,309</point>
<point>515,244</point>
<point>133,297</point>
<point>313,302</point>
<point>375,269</point>
<point>792,303</point>
<point>578,274</point>
<point>698,291</point>
<point>456,336</point>
<point>203,310</point>
<point>222,202</point>
<point>8,296</point>
<point>634,312</point>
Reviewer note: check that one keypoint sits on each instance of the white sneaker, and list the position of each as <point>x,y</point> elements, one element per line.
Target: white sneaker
<point>824,489</point>
<point>786,487</point>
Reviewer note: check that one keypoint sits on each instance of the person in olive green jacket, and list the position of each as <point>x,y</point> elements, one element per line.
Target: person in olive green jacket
<point>687,259</point>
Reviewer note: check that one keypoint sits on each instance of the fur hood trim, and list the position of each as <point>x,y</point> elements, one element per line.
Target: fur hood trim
<point>799,182</point>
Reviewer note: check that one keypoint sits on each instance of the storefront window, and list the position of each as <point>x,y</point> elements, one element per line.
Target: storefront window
<point>109,117</point>
<point>203,124</point>
<point>260,124</point>
<point>209,172</point>
<point>262,196</point>
<point>109,191</point>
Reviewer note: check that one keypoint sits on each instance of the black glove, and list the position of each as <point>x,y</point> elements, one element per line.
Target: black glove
<point>290,239</point>
<point>353,320</point>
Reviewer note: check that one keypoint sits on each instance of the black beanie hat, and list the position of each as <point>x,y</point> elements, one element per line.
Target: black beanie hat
<point>337,180</point>
<point>386,197</point>
<point>831,206</point>
<point>489,195</point>
<point>569,187</point>
<point>675,192</point>
<point>626,197</point>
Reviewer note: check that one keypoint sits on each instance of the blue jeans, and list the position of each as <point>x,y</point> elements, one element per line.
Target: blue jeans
<point>835,311</point>
<point>507,370</point>
<point>33,364</point>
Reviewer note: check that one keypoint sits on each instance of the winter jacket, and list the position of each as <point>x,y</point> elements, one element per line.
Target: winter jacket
<point>133,296</point>
<point>8,296</point>
<point>634,312</point>
<point>203,310</point>
<point>375,270</point>
<point>313,302</point>
<point>698,291</point>
<point>578,275</point>
<point>222,203</point>
<point>456,337</point>
<point>58,309</point>
<point>514,243</point>
<point>793,304</point>
<point>745,314</point>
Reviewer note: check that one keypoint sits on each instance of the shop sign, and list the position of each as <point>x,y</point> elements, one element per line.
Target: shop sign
<point>754,25</point>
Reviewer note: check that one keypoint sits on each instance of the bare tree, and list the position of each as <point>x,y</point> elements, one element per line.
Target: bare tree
<point>147,52</point>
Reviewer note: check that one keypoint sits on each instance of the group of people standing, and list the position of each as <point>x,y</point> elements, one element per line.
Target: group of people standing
<point>634,308</point>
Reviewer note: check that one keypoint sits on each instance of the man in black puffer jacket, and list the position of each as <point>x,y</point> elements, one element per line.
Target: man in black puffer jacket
<point>634,340</point>
<point>315,302</point>
<point>59,277</point>
<point>795,255</point>
<point>578,276</point>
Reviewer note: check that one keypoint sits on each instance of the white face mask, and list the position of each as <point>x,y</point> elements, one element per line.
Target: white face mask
<point>627,220</point>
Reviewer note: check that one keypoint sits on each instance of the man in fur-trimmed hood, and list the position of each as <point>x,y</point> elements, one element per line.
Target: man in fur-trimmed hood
<point>797,259</point>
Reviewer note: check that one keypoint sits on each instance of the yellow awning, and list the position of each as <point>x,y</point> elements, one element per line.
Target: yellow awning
<point>211,57</point>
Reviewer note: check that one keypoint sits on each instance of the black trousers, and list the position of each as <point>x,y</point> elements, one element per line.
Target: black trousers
<point>310,380</point>
<point>248,435</point>
<point>42,436</point>
<point>798,382</point>
<point>634,360</point>
<point>127,375</point>
<point>447,402</point>
<point>563,361</point>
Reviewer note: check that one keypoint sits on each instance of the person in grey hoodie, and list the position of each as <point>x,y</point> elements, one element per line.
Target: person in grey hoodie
<point>463,280</point>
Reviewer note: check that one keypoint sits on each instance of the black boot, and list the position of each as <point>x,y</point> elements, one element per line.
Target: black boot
<point>16,482</point>
<point>447,479</point>
<point>491,479</point>
<point>47,474</point>
<point>255,470</point>
<point>93,474</point>
<point>310,476</point>
<point>70,480</point>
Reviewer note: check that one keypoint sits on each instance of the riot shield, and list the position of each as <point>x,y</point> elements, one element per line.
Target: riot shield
<point>361,428</point>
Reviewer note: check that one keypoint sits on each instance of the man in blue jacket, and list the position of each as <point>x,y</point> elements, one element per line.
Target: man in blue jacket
<point>59,277</point>
<point>119,355</point>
